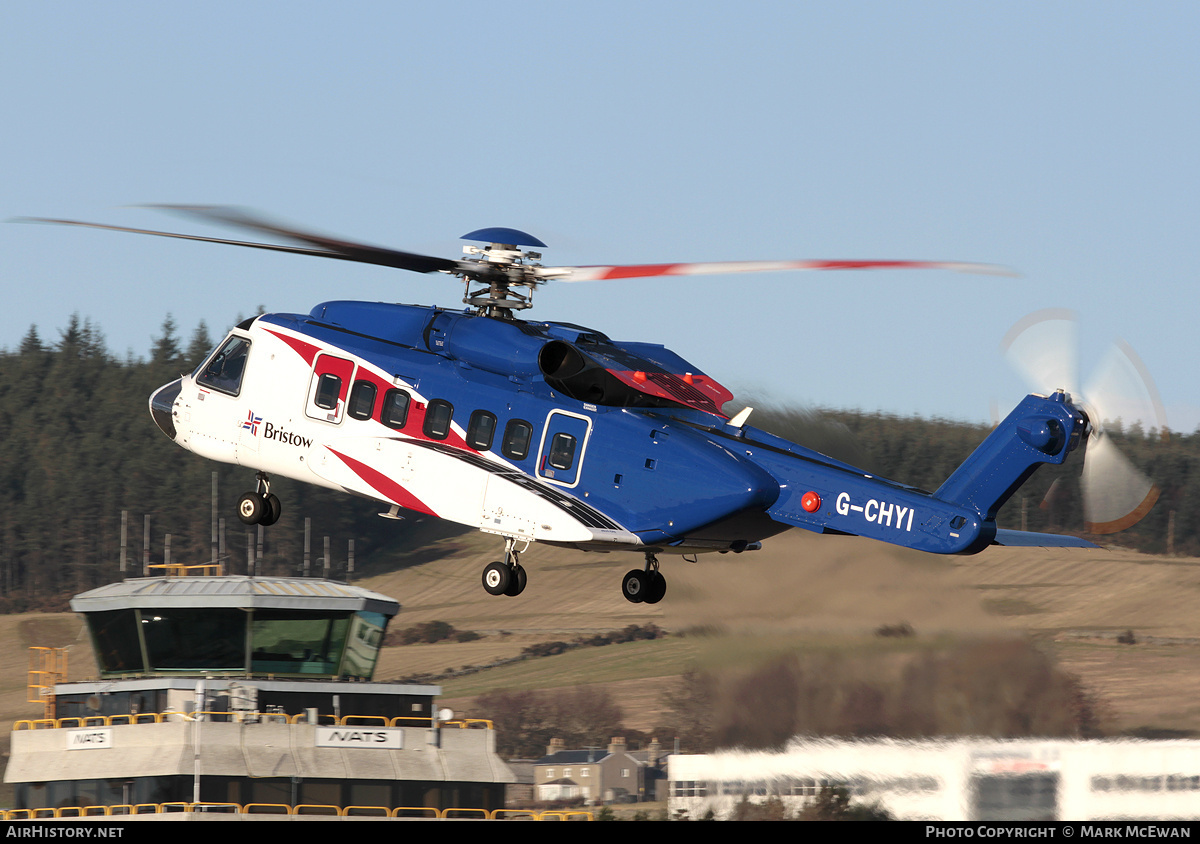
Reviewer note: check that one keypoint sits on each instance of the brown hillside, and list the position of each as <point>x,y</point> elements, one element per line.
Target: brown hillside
<point>800,592</point>
<point>807,591</point>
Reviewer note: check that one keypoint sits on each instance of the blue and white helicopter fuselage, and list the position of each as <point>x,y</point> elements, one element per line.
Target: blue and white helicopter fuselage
<point>550,432</point>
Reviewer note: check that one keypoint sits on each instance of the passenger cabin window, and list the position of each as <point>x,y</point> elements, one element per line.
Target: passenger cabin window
<point>562,451</point>
<point>362,400</point>
<point>395,408</point>
<point>481,430</point>
<point>517,434</point>
<point>328,392</point>
<point>225,369</point>
<point>437,419</point>
<point>329,387</point>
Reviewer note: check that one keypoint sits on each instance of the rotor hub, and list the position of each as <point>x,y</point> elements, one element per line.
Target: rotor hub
<point>502,266</point>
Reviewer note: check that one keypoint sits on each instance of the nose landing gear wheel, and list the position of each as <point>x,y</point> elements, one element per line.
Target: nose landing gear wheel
<point>260,507</point>
<point>497,578</point>
<point>257,509</point>
<point>252,507</point>
<point>274,510</point>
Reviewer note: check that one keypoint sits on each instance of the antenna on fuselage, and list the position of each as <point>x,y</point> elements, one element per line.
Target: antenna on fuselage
<point>740,420</point>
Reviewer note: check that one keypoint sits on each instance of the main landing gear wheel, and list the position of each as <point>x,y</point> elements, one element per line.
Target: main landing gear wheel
<point>517,583</point>
<point>657,588</point>
<point>506,578</point>
<point>635,586</point>
<point>646,586</point>
<point>497,577</point>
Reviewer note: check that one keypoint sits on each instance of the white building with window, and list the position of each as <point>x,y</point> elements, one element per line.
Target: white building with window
<point>955,779</point>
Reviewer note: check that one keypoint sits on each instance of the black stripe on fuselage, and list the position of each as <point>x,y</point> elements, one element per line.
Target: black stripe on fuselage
<point>589,516</point>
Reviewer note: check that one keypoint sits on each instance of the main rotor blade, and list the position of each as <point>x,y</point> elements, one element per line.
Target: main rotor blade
<point>337,249</point>
<point>599,273</point>
<point>241,218</point>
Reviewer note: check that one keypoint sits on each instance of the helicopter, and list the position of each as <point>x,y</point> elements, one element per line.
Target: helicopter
<point>552,432</point>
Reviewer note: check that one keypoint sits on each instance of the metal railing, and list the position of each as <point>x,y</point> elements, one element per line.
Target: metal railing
<point>182,570</point>
<point>242,716</point>
<point>123,809</point>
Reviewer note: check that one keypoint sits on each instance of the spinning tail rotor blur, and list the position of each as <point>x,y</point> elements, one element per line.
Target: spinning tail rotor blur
<point>1043,347</point>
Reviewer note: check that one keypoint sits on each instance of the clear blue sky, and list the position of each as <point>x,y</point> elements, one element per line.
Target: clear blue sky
<point>1058,138</point>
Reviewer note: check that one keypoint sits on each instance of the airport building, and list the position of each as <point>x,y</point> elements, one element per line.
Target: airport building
<point>954,779</point>
<point>240,692</point>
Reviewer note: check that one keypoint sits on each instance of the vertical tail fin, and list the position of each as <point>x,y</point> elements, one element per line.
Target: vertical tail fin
<point>1040,430</point>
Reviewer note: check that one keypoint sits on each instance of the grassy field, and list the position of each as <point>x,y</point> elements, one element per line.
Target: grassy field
<point>802,593</point>
<point>809,593</point>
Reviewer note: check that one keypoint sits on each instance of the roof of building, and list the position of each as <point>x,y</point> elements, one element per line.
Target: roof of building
<point>581,757</point>
<point>572,757</point>
<point>299,593</point>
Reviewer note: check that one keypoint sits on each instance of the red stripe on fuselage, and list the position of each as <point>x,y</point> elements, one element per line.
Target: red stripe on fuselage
<point>384,485</point>
<point>415,423</point>
<point>306,350</point>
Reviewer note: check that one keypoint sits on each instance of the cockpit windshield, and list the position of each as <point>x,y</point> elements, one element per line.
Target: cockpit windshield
<point>224,370</point>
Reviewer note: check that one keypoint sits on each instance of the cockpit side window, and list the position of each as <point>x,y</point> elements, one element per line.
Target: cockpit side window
<point>224,370</point>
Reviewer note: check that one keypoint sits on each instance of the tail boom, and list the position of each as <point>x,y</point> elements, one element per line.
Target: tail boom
<point>960,517</point>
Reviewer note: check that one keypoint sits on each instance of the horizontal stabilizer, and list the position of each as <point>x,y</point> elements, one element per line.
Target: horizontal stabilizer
<point>1031,539</point>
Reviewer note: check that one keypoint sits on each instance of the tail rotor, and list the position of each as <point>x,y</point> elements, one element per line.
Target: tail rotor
<point>1043,347</point>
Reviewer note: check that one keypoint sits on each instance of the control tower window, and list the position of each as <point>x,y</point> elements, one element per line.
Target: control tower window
<point>287,642</point>
<point>209,639</point>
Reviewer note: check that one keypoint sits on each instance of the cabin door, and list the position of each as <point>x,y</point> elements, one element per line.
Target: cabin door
<point>564,440</point>
<point>327,391</point>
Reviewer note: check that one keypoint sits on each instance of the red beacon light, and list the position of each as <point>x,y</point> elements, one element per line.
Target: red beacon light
<point>811,502</point>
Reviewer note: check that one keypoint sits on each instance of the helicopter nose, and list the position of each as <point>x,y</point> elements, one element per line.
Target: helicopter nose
<point>162,402</point>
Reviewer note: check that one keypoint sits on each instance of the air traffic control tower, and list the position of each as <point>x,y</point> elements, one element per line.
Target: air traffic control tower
<point>250,694</point>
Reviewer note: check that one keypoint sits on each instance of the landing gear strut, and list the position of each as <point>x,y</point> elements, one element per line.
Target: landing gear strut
<point>262,506</point>
<point>644,586</point>
<point>508,577</point>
